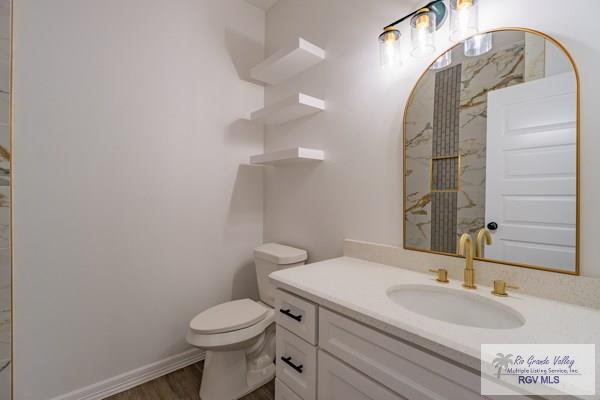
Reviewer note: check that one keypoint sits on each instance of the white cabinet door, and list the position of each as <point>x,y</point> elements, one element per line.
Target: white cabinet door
<point>531,171</point>
<point>282,392</point>
<point>337,381</point>
<point>296,364</point>
<point>405,369</point>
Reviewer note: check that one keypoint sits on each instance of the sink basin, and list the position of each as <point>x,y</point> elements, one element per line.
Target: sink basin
<point>455,306</point>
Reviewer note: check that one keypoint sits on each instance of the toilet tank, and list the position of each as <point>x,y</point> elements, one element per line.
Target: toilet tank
<point>272,257</point>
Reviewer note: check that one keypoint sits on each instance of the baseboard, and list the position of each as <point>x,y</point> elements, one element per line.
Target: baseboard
<point>128,380</point>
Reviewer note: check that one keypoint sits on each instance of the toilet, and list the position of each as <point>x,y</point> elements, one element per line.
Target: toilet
<point>239,336</point>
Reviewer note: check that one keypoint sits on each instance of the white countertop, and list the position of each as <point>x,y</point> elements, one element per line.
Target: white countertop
<point>358,289</point>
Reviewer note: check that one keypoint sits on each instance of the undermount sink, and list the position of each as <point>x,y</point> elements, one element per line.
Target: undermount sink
<point>455,306</point>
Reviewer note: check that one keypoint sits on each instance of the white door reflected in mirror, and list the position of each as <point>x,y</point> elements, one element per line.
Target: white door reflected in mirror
<point>531,172</point>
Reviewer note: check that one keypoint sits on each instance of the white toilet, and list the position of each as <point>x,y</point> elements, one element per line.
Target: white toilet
<point>239,336</point>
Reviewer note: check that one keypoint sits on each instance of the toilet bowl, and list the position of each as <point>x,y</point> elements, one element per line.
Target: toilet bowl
<point>239,336</point>
<point>239,339</point>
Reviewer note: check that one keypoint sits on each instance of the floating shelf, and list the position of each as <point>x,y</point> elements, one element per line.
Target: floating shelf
<point>289,156</point>
<point>288,62</point>
<point>264,4</point>
<point>294,107</point>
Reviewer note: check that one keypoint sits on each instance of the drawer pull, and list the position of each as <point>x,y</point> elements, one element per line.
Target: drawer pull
<point>288,361</point>
<point>289,314</point>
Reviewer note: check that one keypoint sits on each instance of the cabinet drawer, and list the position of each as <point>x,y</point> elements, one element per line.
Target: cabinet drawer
<point>403,368</point>
<point>338,381</point>
<point>283,392</point>
<point>297,315</point>
<point>296,364</point>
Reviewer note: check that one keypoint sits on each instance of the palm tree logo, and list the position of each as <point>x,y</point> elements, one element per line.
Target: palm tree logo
<point>502,361</point>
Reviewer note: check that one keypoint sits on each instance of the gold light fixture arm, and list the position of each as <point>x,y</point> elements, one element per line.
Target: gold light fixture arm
<point>437,6</point>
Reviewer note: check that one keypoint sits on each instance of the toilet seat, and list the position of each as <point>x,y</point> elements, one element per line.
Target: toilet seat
<point>228,317</point>
<point>248,326</point>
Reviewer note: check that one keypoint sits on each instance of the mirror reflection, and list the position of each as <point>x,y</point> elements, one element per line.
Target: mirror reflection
<point>490,141</point>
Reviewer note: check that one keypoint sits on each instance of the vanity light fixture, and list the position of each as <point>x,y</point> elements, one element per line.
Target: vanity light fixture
<point>443,61</point>
<point>464,19</point>
<point>423,28</point>
<point>424,22</point>
<point>390,51</point>
<point>478,45</point>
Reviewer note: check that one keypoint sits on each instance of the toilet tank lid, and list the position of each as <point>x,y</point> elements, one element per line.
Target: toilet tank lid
<point>280,254</point>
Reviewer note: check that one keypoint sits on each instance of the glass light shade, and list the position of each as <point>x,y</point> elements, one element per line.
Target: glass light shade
<point>390,51</point>
<point>464,19</point>
<point>423,33</point>
<point>478,45</point>
<point>443,61</point>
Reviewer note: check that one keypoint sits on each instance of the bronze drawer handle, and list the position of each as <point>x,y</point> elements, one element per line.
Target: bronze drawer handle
<point>289,314</point>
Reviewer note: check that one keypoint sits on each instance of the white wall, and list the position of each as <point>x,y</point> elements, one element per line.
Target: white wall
<point>132,211</point>
<point>357,192</point>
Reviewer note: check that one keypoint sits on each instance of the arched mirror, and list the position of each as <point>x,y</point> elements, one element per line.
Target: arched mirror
<point>491,142</point>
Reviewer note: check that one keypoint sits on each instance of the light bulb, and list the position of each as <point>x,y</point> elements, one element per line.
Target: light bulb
<point>423,26</point>
<point>443,61</point>
<point>390,51</point>
<point>478,45</point>
<point>464,19</point>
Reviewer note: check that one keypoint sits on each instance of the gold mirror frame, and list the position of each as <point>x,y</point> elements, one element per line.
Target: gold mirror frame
<point>577,152</point>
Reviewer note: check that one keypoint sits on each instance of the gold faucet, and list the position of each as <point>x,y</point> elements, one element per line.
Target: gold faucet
<point>482,235</point>
<point>500,288</point>
<point>442,275</point>
<point>465,249</point>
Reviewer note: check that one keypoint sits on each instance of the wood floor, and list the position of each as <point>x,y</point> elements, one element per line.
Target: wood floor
<point>183,385</point>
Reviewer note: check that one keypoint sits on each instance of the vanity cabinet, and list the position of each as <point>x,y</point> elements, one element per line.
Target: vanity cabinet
<point>282,392</point>
<point>400,366</point>
<point>296,364</point>
<point>296,347</point>
<point>326,356</point>
<point>338,381</point>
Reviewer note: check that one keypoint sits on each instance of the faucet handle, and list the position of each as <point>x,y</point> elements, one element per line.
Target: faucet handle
<point>500,288</point>
<point>442,274</point>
